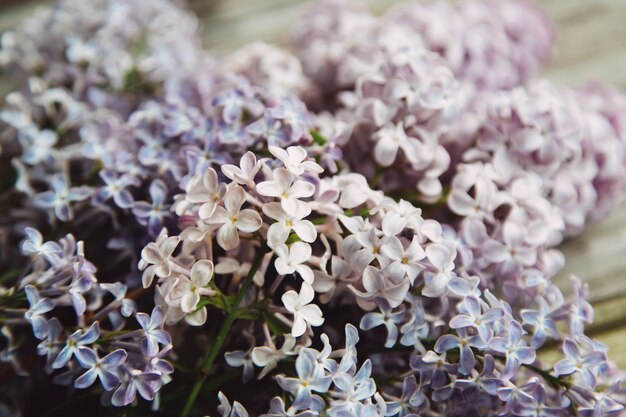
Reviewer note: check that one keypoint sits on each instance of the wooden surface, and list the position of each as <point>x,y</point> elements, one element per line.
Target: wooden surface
<point>591,46</point>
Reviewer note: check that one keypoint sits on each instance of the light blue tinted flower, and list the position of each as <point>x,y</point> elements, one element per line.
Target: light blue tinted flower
<point>351,390</point>
<point>153,331</point>
<point>144,383</point>
<point>583,364</point>
<point>33,245</point>
<point>76,343</point>
<point>311,378</point>
<point>115,187</point>
<point>61,196</point>
<point>473,313</point>
<point>388,318</point>
<point>38,145</point>
<point>269,129</point>
<point>293,113</point>
<point>225,409</point>
<point>464,342</point>
<point>49,346</point>
<point>232,102</point>
<point>106,369</point>
<point>35,314</point>
<point>542,323</point>
<point>240,358</point>
<point>277,409</point>
<point>515,349</point>
<point>153,214</point>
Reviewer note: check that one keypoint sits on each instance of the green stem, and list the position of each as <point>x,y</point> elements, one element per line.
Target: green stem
<point>555,381</point>
<point>551,379</point>
<point>209,360</point>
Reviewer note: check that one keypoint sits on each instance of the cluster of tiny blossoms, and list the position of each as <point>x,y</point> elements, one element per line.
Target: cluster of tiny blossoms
<point>398,187</point>
<point>95,342</point>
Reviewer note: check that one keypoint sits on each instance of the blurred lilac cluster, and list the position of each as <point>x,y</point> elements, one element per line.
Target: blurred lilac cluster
<point>405,174</point>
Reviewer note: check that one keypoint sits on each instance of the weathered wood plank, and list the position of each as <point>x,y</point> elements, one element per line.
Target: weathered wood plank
<point>597,257</point>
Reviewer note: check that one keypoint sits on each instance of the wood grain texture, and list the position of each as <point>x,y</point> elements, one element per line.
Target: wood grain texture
<point>591,46</point>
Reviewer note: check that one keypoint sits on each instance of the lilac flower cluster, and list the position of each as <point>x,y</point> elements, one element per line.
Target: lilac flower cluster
<point>149,42</point>
<point>391,176</point>
<point>103,345</point>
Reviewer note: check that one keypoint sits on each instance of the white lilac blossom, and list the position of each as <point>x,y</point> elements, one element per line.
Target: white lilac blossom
<point>232,220</point>
<point>403,173</point>
<point>304,313</point>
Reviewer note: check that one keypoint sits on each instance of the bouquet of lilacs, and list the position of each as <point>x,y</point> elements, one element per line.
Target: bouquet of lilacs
<point>366,225</point>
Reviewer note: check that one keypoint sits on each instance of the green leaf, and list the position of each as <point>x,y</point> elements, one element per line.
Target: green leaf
<point>292,239</point>
<point>248,314</point>
<point>318,138</point>
<point>277,326</point>
<point>10,275</point>
<point>363,212</point>
<point>135,82</point>
<point>320,220</point>
<point>220,301</point>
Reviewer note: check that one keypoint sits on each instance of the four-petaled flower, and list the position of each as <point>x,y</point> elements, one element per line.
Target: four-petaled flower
<point>233,220</point>
<point>304,313</point>
<point>189,290</point>
<point>155,258</point>
<point>471,315</point>
<point>284,187</point>
<point>514,347</point>
<point>77,343</point>
<point>106,368</point>
<point>279,232</point>
<point>115,187</point>
<point>61,197</point>
<point>442,259</point>
<point>35,314</point>
<point>294,159</point>
<point>153,214</point>
<point>206,191</point>
<point>152,328</point>
<point>583,364</point>
<point>389,140</point>
<point>311,378</point>
<point>407,260</point>
<point>464,342</point>
<point>246,171</point>
<point>34,245</point>
<point>290,259</point>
